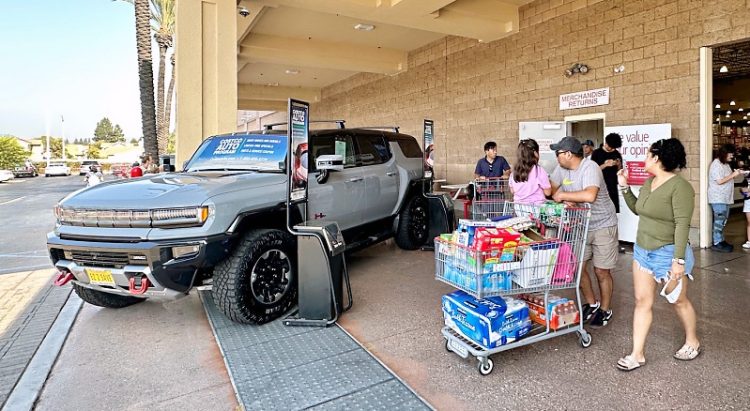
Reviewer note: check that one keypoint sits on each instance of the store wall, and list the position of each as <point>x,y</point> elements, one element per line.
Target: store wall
<point>480,91</point>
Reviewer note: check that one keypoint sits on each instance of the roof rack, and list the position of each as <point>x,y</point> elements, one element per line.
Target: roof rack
<point>394,128</point>
<point>339,124</point>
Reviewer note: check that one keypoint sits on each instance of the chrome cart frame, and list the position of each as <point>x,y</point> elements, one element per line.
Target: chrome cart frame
<point>552,262</point>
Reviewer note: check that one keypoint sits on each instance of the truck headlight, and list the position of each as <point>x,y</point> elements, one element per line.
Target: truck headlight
<point>190,216</point>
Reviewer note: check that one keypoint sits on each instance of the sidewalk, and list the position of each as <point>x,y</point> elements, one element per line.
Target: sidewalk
<point>29,304</point>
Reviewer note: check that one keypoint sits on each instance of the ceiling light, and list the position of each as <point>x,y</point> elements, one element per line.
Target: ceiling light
<point>723,69</point>
<point>718,119</point>
<point>744,117</point>
<point>734,121</point>
<point>291,71</point>
<point>364,27</point>
<point>731,103</point>
<point>718,106</point>
<point>729,112</point>
<point>727,116</point>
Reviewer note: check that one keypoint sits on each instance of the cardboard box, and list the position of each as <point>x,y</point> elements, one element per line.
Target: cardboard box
<point>490,322</point>
<point>564,311</point>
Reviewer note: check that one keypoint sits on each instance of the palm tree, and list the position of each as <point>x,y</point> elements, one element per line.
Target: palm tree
<point>146,76</point>
<point>168,106</point>
<point>162,23</point>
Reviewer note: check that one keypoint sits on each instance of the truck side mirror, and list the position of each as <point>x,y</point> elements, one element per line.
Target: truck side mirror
<point>326,163</point>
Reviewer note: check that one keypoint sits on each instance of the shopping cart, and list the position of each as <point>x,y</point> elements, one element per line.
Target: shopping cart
<point>490,195</point>
<point>529,269</point>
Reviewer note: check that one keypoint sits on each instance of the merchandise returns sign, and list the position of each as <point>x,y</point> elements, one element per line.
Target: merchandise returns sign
<point>589,98</point>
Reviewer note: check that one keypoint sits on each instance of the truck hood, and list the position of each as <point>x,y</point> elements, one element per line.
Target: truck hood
<point>168,190</point>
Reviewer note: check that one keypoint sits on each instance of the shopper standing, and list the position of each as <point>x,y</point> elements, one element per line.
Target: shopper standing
<point>610,162</point>
<point>746,209</point>
<point>578,180</point>
<point>588,149</point>
<point>529,182</point>
<point>661,252</point>
<point>491,165</point>
<point>721,195</point>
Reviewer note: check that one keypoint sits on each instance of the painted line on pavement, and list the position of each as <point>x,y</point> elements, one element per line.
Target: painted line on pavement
<point>13,200</point>
<point>26,268</point>
<point>23,256</point>
<point>27,391</point>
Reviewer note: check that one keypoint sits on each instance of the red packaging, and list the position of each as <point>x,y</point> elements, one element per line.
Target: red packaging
<point>564,311</point>
<point>486,238</point>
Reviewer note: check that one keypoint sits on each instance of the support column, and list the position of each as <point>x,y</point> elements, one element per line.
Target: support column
<point>706,142</point>
<point>206,72</point>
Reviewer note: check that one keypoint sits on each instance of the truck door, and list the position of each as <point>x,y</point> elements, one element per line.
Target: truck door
<point>381,176</point>
<point>342,197</point>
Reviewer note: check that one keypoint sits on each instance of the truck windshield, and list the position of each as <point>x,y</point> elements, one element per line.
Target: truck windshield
<point>242,152</point>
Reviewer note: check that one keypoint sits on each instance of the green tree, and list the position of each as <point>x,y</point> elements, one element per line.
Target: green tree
<point>105,133</point>
<point>94,150</point>
<point>134,141</point>
<point>55,146</point>
<point>171,143</point>
<point>11,153</point>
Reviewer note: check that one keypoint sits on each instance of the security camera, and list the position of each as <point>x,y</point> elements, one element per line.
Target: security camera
<point>244,12</point>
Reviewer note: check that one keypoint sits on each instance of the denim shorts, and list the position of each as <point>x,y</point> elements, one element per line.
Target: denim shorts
<point>659,262</point>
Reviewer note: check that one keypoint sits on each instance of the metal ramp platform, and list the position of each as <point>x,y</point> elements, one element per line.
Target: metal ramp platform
<point>275,367</point>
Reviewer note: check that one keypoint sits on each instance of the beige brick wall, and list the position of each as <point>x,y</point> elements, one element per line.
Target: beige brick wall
<point>480,91</point>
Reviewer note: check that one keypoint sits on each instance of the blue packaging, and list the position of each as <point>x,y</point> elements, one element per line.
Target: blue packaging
<point>489,322</point>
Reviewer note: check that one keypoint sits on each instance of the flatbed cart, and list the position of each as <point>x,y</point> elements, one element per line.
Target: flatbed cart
<point>549,263</point>
<point>489,197</point>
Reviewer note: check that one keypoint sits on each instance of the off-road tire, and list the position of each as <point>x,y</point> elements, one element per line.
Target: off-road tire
<point>232,291</point>
<point>413,224</point>
<point>102,299</point>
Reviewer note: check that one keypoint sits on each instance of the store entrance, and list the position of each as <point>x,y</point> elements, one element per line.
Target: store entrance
<point>587,130</point>
<point>731,107</point>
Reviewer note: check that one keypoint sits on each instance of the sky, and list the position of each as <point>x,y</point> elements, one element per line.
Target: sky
<point>75,59</point>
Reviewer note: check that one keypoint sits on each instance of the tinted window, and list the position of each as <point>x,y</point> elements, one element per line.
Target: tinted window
<point>373,149</point>
<point>333,144</point>
<point>410,147</point>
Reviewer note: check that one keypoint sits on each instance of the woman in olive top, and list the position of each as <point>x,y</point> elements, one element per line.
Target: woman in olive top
<point>661,253</point>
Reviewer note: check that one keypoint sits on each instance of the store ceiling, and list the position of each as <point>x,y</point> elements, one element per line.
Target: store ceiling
<point>733,86</point>
<point>296,47</point>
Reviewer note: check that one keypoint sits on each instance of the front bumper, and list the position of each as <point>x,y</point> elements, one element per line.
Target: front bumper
<point>170,277</point>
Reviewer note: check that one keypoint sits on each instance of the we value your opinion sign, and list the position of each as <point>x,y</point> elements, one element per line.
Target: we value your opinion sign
<point>635,143</point>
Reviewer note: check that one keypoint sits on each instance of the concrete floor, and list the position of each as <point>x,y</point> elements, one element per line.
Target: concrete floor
<point>148,356</point>
<point>397,316</point>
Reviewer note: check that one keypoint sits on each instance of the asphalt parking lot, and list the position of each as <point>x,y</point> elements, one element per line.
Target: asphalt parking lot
<point>26,217</point>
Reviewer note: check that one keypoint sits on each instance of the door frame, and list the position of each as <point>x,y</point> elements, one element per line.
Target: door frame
<point>585,117</point>
<point>705,143</point>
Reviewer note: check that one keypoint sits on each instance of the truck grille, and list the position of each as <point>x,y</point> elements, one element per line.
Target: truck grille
<point>100,259</point>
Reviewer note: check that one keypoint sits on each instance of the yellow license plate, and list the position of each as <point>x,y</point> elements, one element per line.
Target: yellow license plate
<point>100,276</point>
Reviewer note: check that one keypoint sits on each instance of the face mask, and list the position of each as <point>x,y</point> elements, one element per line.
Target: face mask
<point>675,294</point>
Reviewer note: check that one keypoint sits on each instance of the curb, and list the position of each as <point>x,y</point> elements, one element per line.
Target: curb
<point>28,388</point>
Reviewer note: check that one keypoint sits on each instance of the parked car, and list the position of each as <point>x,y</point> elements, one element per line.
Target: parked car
<point>6,175</point>
<point>86,166</point>
<point>26,171</point>
<point>57,169</point>
<point>223,220</point>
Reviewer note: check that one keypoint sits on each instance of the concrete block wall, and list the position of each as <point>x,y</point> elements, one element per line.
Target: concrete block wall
<point>480,91</point>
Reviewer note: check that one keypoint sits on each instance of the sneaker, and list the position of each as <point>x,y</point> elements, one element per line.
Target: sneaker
<point>601,318</point>
<point>723,247</point>
<point>746,246</point>
<point>589,311</point>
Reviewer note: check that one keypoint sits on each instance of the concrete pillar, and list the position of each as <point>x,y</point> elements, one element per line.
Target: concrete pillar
<point>206,72</point>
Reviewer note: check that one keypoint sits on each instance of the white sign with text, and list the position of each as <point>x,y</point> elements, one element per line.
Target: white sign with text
<point>581,99</point>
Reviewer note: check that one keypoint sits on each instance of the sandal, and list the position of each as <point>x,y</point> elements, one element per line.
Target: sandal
<point>687,353</point>
<point>629,363</point>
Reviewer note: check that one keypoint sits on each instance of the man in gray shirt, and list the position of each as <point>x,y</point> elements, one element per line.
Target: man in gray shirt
<point>580,180</point>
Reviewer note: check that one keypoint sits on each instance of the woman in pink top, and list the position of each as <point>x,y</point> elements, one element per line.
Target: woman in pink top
<point>529,182</point>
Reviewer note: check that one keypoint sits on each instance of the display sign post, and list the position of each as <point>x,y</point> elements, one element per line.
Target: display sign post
<point>636,141</point>
<point>429,147</point>
<point>298,132</point>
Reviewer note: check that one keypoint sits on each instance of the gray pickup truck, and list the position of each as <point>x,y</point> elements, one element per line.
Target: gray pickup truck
<point>222,219</point>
